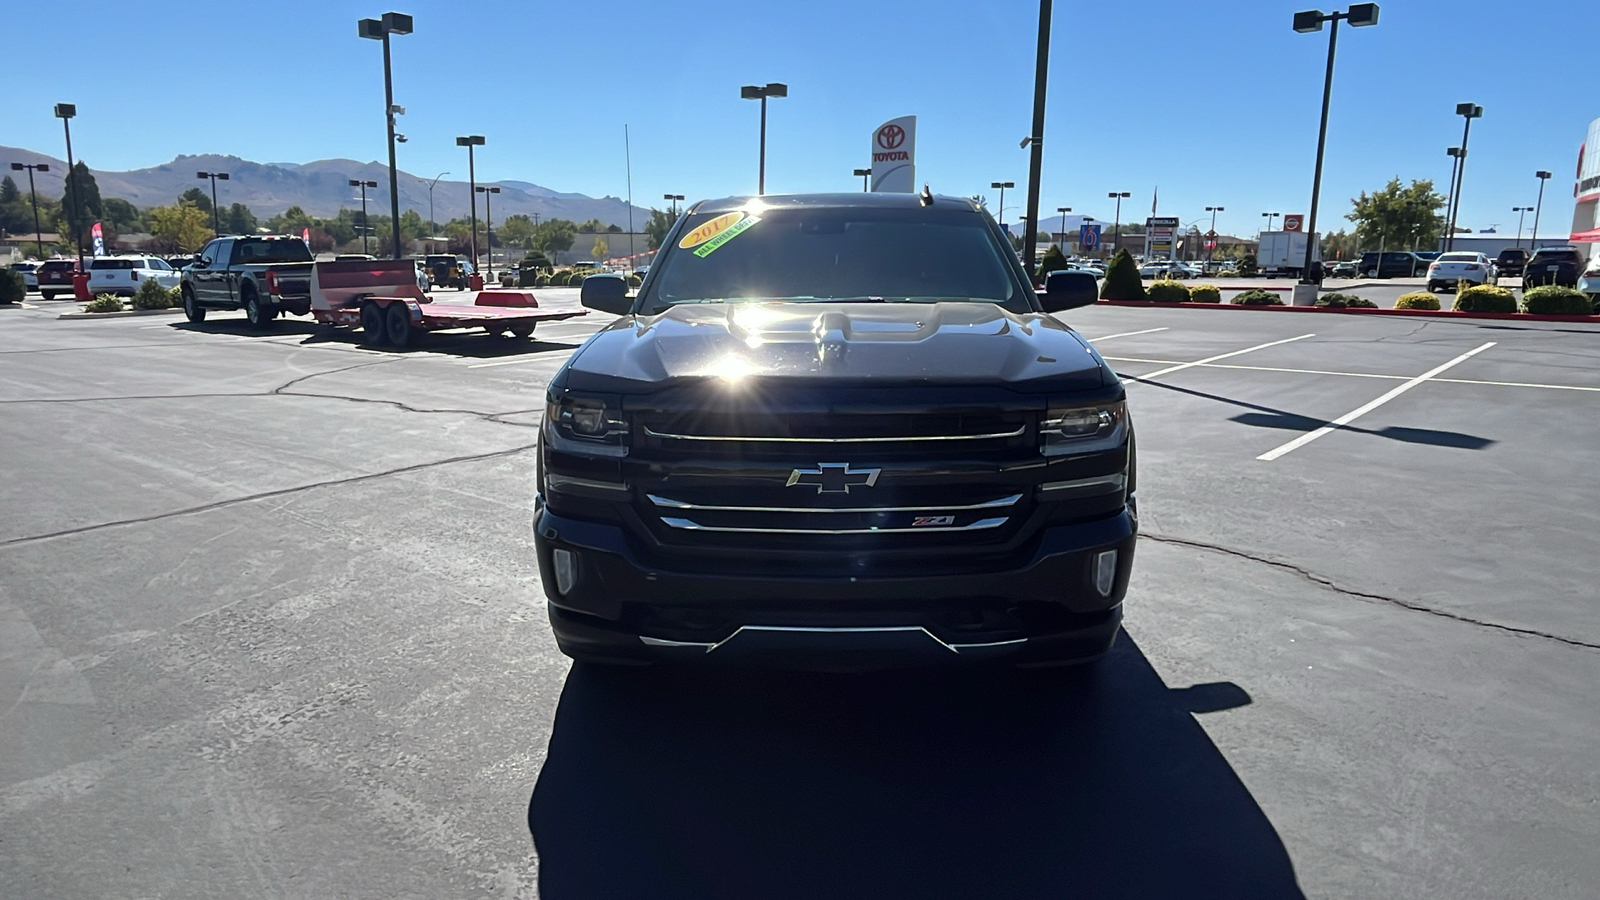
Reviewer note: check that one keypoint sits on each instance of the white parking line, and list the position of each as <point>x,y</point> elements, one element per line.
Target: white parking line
<point>1357,413</point>
<point>1095,340</point>
<point>521,359</point>
<point>1211,359</point>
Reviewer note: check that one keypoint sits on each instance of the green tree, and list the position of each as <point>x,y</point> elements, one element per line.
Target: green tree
<point>1398,216</point>
<point>412,225</point>
<point>1053,260</point>
<point>180,228</point>
<point>9,192</point>
<point>291,221</point>
<point>240,220</point>
<point>517,231</point>
<point>593,226</point>
<point>661,222</point>
<point>197,198</point>
<point>121,216</point>
<point>601,249</point>
<point>1122,279</point>
<point>556,236</point>
<point>82,206</point>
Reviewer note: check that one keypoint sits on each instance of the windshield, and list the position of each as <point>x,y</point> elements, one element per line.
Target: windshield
<point>837,253</point>
<point>295,250</point>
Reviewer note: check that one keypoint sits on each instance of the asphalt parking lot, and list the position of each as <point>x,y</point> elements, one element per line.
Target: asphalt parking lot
<point>270,625</point>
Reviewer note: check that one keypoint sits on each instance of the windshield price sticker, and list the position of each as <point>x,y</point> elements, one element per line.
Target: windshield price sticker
<point>726,235</point>
<point>705,231</point>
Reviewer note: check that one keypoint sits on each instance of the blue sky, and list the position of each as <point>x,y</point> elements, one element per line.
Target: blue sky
<point>1216,103</point>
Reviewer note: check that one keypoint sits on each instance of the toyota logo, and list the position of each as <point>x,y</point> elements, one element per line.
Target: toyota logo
<point>891,137</point>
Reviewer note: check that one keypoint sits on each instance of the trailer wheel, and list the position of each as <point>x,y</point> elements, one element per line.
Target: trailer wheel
<point>397,319</point>
<point>372,324</point>
<point>522,331</point>
<point>494,330</point>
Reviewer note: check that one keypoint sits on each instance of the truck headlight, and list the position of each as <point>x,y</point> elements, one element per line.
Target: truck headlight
<point>1082,429</point>
<point>593,426</point>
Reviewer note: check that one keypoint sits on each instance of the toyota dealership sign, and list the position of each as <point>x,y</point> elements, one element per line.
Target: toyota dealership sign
<point>894,156</point>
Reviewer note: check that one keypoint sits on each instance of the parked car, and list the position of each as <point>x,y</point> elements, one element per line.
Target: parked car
<point>123,275</point>
<point>1167,268</point>
<point>449,271</point>
<point>1346,269</point>
<point>1511,262</point>
<point>1451,268</point>
<point>55,277</point>
<point>1554,265</point>
<point>265,276</point>
<point>1589,282</point>
<point>1395,264</point>
<point>29,273</point>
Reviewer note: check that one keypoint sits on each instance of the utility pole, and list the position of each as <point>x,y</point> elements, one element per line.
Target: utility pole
<point>1036,137</point>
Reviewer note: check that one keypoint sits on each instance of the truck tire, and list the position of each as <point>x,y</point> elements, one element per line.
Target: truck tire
<point>255,312</point>
<point>397,326</point>
<point>372,325</point>
<point>192,310</point>
<point>522,331</point>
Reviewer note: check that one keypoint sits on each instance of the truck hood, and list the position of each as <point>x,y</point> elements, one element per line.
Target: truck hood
<point>900,343</point>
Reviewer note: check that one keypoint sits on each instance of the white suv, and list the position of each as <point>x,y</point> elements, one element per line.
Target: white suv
<point>1449,268</point>
<point>124,274</point>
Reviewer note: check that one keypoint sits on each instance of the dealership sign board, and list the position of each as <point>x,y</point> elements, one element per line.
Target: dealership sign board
<point>894,156</point>
<point>1158,236</point>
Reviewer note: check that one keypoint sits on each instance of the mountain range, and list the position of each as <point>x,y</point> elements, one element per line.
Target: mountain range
<point>321,188</point>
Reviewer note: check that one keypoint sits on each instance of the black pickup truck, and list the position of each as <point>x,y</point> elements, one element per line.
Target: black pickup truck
<point>265,276</point>
<point>841,432</point>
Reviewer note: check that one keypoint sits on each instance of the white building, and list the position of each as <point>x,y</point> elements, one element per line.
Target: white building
<point>1586,215</point>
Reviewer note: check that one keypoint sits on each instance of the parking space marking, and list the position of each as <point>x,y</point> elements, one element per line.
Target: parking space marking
<point>1357,413</point>
<point>1287,371</point>
<point>1124,334</point>
<point>520,359</point>
<point>1211,359</point>
<point>1523,384</point>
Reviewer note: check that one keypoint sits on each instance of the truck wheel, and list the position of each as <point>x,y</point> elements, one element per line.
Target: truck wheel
<point>372,325</point>
<point>259,317</point>
<point>494,331</point>
<point>192,311</point>
<point>522,331</point>
<point>397,325</point>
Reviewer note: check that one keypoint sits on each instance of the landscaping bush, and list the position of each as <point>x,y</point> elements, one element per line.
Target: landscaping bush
<point>1486,298</point>
<point>1205,293</point>
<point>1344,301</point>
<point>541,280</point>
<point>151,295</point>
<point>1553,300</point>
<point>12,287</point>
<point>534,260</point>
<point>558,279</point>
<point>1248,266</point>
<point>1417,300</point>
<point>1122,279</point>
<point>634,281</point>
<point>104,303</point>
<point>1167,291</point>
<point>1258,297</point>
<point>1054,260</point>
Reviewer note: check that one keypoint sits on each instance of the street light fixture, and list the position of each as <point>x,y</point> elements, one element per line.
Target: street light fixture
<point>1469,112</point>
<point>1450,192</point>
<point>488,220</point>
<point>1063,210</point>
<point>216,217</point>
<point>1269,216</point>
<point>1543,176</point>
<point>379,30</point>
<point>1002,185</point>
<point>1522,213</point>
<point>433,229</point>
<point>1116,224</point>
<point>1359,15</point>
<point>673,199</point>
<point>366,224</point>
<point>65,112</point>
<point>33,167</point>
<point>470,141</point>
<point>757,92</point>
<point>865,175</point>
<point>1212,237</point>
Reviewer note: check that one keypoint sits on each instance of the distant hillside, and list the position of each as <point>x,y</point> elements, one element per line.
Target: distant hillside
<point>321,188</point>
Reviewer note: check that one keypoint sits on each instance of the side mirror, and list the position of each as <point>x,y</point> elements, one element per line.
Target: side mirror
<point>606,293</point>
<point>203,262</point>
<point>1068,290</point>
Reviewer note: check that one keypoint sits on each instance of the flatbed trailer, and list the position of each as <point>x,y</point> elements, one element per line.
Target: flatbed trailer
<point>381,297</point>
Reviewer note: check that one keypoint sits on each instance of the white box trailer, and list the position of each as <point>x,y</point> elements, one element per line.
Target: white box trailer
<point>1284,253</point>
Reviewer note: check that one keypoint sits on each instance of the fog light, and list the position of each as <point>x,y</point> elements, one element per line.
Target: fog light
<point>567,570</point>
<point>1105,571</point>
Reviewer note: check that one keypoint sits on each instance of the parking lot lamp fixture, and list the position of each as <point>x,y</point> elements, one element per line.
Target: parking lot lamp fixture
<point>1359,15</point>
<point>673,199</point>
<point>433,229</point>
<point>1450,192</point>
<point>216,219</point>
<point>1063,210</point>
<point>33,167</point>
<point>488,220</point>
<point>1116,224</point>
<point>1522,214</point>
<point>1543,176</point>
<point>1212,239</point>
<point>470,141</point>
<point>379,30</point>
<point>65,112</point>
<point>865,175</point>
<point>1270,216</point>
<point>1469,112</point>
<point>366,224</point>
<point>762,92</point>
<point>1002,185</point>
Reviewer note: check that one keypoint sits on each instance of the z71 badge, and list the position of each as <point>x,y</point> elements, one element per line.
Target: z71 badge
<point>927,521</point>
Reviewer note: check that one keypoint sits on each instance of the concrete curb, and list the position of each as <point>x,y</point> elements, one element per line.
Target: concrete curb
<point>1413,313</point>
<point>119,315</point>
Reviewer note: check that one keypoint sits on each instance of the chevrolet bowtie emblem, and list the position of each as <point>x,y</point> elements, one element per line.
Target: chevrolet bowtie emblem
<point>833,478</point>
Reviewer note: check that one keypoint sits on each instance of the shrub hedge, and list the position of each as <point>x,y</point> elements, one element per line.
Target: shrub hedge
<point>1417,300</point>
<point>1344,301</point>
<point>12,287</point>
<point>1122,279</point>
<point>1554,300</point>
<point>1168,291</point>
<point>1205,293</point>
<point>151,295</point>
<point>104,303</point>
<point>1258,297</point>
<point>1485,298</point>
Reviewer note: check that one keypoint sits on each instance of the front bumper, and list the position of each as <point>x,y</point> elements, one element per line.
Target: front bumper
<point>1041,607</point>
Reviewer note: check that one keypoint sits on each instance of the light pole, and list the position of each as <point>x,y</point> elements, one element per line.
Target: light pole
<point>757,92</point>
<point>366,224</point>
<point>32,167</point>
<point>1269,216</point>
<point>65,112</point>
<point>1450,192</point>
<point>1036,138</point>
<point>1116,224</point>
<point>216,218</point>
<point>1063,210</point>
<point>1359,15</point>
<point>1002,185</point>
<point>1212,237</point>
<point>673,199</point>
<point>379,30</point>
<point>433,228</point>
<point>1522,213</point>
<point>1533,242</point>
<point>470,141</point>
<point>488,220</point>
<point>865,175</point>
<point>1468,112</point>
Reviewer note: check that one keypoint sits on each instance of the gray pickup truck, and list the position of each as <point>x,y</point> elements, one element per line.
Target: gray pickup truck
<point>265,276</point>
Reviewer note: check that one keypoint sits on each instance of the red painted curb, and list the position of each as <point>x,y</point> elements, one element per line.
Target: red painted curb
<point>1424,313</point>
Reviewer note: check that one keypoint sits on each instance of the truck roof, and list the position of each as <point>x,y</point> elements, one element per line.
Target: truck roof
<point>858,200</point>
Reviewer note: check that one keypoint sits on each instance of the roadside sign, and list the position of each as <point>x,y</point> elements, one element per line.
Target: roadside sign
<point>1089,237</point>
<point>894,156</point>
<point>1293,222</point>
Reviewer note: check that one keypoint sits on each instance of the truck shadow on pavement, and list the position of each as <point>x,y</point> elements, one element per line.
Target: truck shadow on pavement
<point>466,343</point>
<point>666,783</point>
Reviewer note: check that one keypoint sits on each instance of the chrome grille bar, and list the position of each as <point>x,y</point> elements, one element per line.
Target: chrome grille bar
<point>836,440</point>
<point>678,504</point>
<point>691,525</point>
